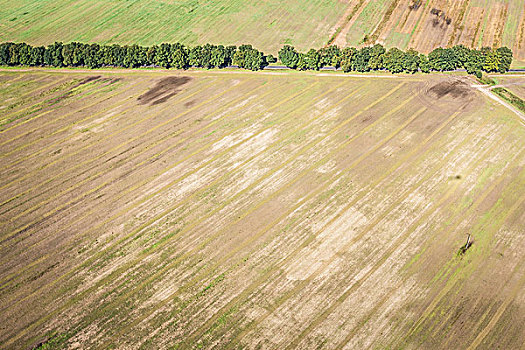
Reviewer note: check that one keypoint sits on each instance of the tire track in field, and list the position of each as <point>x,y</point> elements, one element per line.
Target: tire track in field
<point>318,190</point>
<point>365,191</point>
<point>45,102</point>
<point>151,221</point>
<point>503,307</point>
<point>304,150</point>
<point>46,137</point>
<point>470,209</point>
<point>307,123</point>
<point>5,237</point>
<point>159,173</point>
<point>20,194</point>
<point>152,115</point>
<point>340,38</point>
<point>27,82</point>
<point>271,272</point>
<point>187,157</point>
<point>471,167</point>
<point>450,286</point>
<point>49,147</point>
<point>322,316</point>
<point>84,107</point>
<point>21,97</point>
<point>457,220</point>
<point>103,172</point>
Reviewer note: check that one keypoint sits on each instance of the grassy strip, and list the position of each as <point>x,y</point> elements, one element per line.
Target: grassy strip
<point>510,97</point>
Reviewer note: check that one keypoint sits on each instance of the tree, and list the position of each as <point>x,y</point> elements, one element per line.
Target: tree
<point>179,56</point>
<point>330,56</point>
<point>394,60</point>
<point>289,56</point>
<point>505,59</point>
<point>492,61</point>
<point>424,65</point>
<point>347,58</point>
<point>53,55</point>
<point>271,59</point>
<point>313,60</point>
<point>474,62</point>
<point>443,59</point>
<point>248,57</point>
<point>376,57</point>
<point>361,59</point>
<point>411,61</point>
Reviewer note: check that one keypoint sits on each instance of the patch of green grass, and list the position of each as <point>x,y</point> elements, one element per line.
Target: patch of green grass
<point>263,24</point>
<point>510,97</point>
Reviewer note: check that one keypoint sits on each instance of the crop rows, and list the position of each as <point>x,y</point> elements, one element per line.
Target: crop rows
<point>256,209</point>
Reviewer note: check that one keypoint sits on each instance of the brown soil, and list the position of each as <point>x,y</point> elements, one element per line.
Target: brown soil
<point>258,210</point>
<point>163,90</point>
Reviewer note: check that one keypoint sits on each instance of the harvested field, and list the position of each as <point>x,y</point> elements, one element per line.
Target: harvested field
<point>258,210</point>
<point>425,25</point>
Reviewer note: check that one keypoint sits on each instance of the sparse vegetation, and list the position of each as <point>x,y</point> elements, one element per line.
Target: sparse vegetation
<point>216,209</point>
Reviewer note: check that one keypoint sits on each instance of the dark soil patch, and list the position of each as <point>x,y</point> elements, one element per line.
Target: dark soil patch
<point>455,89</point>
<point>448,96</point>
<point>189,103</point>
<point>88,79</point>
<point>163,90</point>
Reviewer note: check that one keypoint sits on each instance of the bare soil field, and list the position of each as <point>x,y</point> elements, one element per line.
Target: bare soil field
<point>262,210</point>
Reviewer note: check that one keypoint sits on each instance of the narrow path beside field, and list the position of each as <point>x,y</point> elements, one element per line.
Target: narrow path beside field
<point>485,89</point>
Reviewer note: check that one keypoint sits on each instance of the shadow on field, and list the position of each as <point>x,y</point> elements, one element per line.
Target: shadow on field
<point>163,90</point>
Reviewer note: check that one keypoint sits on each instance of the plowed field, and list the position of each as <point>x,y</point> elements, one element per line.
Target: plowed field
<point>258,210</point>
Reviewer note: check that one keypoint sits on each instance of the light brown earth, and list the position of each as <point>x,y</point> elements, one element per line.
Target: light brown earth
<point>259,211</point>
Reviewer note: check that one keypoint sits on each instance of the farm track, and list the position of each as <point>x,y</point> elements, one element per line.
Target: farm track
<point>228,213</point>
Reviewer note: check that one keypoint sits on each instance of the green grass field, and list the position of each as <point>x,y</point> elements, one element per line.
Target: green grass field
<point>265,24</point>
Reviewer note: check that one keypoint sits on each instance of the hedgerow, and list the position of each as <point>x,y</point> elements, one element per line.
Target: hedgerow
<point>208,56</point>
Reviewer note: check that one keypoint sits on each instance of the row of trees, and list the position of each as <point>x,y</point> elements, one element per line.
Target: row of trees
<point>165,55</point>
<point>179,56</point>
<point>396,61</point>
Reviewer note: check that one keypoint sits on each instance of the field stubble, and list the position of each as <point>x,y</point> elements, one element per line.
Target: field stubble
<point>252,210</point>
